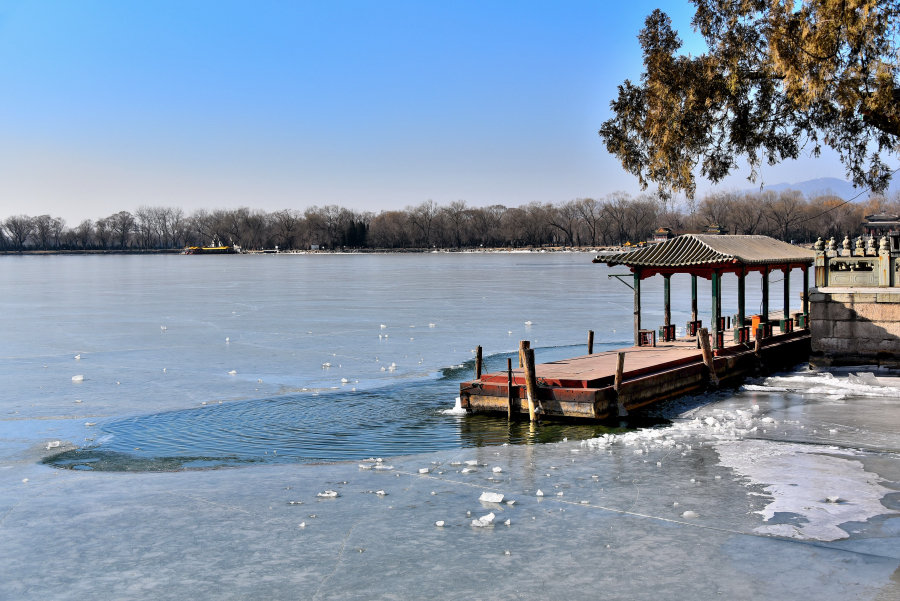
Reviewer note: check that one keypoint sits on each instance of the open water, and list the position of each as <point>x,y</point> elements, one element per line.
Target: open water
<point>187,361</point>
<point>203,427</point>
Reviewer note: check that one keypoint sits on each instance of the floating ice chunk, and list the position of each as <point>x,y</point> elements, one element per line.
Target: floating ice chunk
<point>345,381</point>
<point>439,523</point>
<point>326,365</point>
<point>431,325</point>
<point>78,378</point>
<point>689,514</point>
<point>301,525</point>
<point>483,521</point>
<point>380,493</point>
<point>423,470</point>
<point>507,523</point>
<point>233,372</point>
<point>491,497</point>
<point>466,470</point>
<point>89,424</point>
<point>383,327</point>
<point>471,462</point>
<point>328,494</point>
<point>528,323</point>
<point>77,400</point>
<point>559,494</point>
<point>227,340</point>
<point>539,493</point>
<point>77,357</point>
<point>833,499</point>
<point>24,480</point>
<point>511,502</point>
<point>163,328</point>
<point>52,444</point>
<point>497,469</point>
<point>295,502</point>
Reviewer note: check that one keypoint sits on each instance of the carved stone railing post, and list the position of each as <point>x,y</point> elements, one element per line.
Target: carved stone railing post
<point>885,267</point>
<point>821,264</point>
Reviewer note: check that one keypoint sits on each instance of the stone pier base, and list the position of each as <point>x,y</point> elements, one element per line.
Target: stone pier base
<point>855,326</point>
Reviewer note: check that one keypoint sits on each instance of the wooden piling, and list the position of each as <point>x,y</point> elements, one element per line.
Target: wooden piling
<point>523,344</point>
<point>478,362</point>
<point>590,342</point>
<point>509,389</point>
<point>531,384</point>
<point>617,382</point>
<point>620,370</point>
<point>703,335</point>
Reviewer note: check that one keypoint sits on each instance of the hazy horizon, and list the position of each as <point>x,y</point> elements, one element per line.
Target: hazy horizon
<point>111,106</point>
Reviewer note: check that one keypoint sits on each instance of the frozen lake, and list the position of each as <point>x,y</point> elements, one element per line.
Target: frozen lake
<point>290,372</point>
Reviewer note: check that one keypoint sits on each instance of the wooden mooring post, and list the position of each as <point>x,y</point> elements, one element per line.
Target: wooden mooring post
<point>531,384</point>
<point>708,359</point>
<point>478,362</point>
<point>617,382</point>
<point>523,344</point>
<point>590,342</point>
<point>509,389</point>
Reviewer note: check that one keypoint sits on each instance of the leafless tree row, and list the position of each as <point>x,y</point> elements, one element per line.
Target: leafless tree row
<point>614,220</point>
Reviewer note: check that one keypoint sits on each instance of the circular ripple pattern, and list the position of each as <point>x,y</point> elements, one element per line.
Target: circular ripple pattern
<point>401,419</point>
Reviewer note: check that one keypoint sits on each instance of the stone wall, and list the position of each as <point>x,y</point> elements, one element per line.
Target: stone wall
<point>855,326</point>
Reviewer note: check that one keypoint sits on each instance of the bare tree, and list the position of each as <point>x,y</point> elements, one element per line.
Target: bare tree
<point>121,226</point>
<point>784,211</point>
<point>286,228</point>
<point>84,234</point>
<point>389,229</point>
<point>43,232</point>
<point>589,213</point>
<point>565,219</point>
<point>422,218</point>
<point>19,228</point>
<point>457,217</point>
<point>486,223</point>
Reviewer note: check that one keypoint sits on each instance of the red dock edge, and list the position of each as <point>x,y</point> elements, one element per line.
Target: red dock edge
<point>583,387</point>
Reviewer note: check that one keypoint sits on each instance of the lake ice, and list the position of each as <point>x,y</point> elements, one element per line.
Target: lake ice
<point>785,489</point>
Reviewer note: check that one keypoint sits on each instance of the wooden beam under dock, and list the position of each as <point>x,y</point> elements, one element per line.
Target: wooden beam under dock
<point>585,387</point>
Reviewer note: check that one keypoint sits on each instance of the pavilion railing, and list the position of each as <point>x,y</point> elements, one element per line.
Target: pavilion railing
<point>860,266</point>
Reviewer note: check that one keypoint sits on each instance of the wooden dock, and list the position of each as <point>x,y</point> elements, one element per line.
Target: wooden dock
<point>585,387</point>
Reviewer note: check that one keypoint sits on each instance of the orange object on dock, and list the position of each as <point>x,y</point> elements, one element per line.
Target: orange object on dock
<point>583,387</point>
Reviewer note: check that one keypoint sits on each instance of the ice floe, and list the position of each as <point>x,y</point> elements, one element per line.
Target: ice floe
<point>824,486</point>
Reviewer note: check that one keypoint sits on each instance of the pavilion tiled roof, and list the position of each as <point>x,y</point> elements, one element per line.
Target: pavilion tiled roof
<point>694,250</point>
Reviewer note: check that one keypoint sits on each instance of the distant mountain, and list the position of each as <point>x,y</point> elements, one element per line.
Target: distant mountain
<point>820,186</point>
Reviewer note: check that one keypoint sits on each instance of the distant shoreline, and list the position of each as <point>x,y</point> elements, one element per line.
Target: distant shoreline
<point>349,251</point>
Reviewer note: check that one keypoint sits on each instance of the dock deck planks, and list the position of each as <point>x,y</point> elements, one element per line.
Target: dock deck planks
<point>582,387</point>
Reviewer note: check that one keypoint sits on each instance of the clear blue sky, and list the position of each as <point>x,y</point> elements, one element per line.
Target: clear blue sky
<point>375,105</point>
